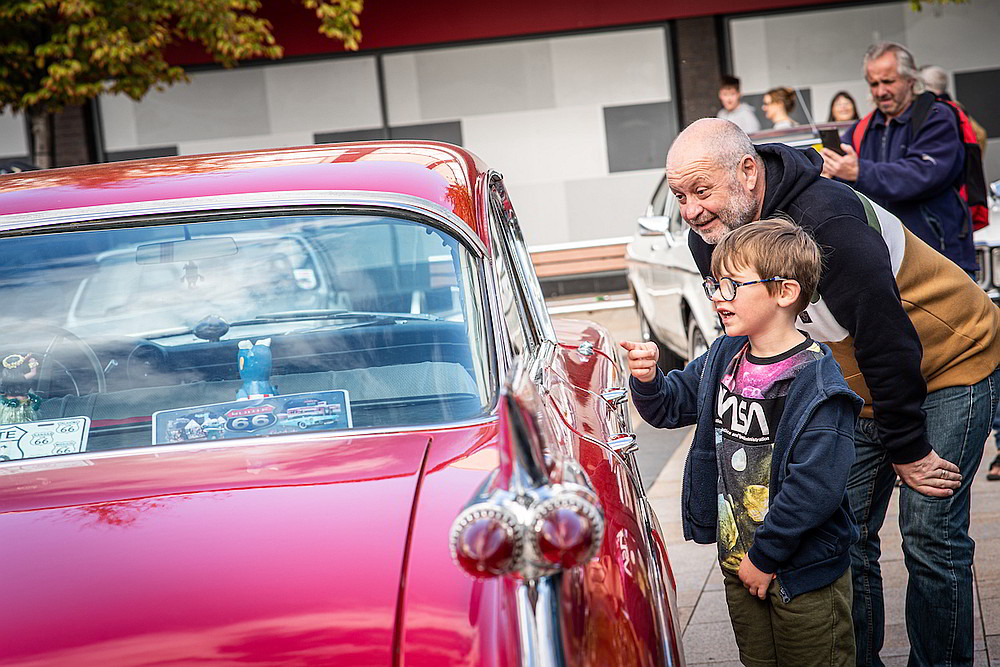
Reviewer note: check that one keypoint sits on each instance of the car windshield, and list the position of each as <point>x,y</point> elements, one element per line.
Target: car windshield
<point>136,336</point>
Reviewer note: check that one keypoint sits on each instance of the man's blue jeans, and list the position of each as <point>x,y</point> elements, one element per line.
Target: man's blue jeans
<point>937,548</point>
<point>996,427</point>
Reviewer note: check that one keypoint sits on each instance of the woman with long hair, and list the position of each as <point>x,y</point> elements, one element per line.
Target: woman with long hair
<point>842,107</point>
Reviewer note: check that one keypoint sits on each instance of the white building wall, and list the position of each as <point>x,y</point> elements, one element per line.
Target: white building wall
<point>578,124</point>
<point>13,136</point>
<point>533,109</point>
<point>822,49</point>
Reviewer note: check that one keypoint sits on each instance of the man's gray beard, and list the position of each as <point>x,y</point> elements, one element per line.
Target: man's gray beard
<point>742,208</point>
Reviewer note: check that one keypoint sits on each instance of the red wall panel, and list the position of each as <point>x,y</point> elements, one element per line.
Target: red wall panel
<point>389,24</point>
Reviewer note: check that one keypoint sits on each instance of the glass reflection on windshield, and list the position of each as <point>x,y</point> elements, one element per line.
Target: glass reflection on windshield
<point>370,322</point>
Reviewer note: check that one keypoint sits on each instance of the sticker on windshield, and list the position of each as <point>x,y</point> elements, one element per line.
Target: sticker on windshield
<point>29,440</point>
<point>291,413</point>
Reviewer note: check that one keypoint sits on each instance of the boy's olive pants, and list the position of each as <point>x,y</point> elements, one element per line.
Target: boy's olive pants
<point>814,628</point>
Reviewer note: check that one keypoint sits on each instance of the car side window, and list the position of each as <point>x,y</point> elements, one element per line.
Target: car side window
<point>510,296</point>
<point>538,316</point>
<point>657,206</point>
<point>677,225</point>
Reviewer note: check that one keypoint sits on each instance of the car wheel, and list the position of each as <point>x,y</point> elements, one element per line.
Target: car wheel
<point>668,361</point>
<point>697,345</point>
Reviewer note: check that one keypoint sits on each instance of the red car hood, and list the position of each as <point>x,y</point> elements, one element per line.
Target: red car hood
<point>285,552</point>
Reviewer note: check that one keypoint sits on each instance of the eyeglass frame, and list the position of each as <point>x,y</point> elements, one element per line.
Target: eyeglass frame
<point>711,291</point>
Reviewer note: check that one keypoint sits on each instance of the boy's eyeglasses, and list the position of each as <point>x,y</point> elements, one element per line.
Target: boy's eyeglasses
<point>726,287</point>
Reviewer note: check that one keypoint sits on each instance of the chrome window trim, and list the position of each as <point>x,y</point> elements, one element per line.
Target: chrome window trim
<point>535,299</point>
<point>232,202</point>
<point>504,349</point>
<point>52,462</point>
<point>532,339</point>
<point>534,328</point>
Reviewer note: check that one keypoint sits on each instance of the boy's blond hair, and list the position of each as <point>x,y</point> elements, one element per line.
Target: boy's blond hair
<point>772,248</point>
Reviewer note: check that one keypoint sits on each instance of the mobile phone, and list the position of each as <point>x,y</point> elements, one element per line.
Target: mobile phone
<point>831,140</point>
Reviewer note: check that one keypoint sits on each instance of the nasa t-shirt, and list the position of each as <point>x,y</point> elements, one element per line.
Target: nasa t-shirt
<point>750,401</point>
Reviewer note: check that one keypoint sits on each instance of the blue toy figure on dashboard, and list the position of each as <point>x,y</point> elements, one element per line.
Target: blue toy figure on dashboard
<point>255,370</point>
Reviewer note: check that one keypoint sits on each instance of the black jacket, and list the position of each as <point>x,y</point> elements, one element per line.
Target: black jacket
<point>858,300</point>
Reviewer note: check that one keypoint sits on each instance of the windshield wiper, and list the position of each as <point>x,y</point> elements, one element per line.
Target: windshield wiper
<point>362,317</point>
<point>333,314</point>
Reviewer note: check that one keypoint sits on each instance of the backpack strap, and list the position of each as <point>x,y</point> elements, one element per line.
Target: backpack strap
<point>871,217</point>
<point>970,196</point>
<point>860,130</point>
<point>921,107</point>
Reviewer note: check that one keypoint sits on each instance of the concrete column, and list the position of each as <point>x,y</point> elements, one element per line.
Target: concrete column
<point>699,66</point>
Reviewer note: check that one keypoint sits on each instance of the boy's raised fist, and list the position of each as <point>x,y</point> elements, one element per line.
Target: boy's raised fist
<point>642,359</point>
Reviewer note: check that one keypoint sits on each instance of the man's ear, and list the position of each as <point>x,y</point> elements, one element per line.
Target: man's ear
<point>750,174</point>
<point>789,292</point>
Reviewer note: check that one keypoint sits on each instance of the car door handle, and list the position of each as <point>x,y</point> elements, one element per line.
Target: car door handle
<point>615,396</point>
<point>623,443</point>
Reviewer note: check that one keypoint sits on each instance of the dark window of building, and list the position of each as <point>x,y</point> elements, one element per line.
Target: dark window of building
<point>450,132</point>
<point>979,91</point>
<point>141,153</point>
<point>638,135</point>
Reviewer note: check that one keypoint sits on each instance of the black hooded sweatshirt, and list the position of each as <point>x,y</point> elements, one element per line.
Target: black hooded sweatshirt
<point>858,302</point>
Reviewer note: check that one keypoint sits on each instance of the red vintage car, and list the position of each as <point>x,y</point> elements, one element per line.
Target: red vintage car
<point>306,406</point>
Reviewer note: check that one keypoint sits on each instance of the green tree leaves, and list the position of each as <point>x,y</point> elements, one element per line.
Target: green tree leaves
<point>63,52</point>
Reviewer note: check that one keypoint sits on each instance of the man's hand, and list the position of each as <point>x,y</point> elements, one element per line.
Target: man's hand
<point>844,167</point>
<point>753,579</point>
<point>642,359</point>
<point>931,475</point>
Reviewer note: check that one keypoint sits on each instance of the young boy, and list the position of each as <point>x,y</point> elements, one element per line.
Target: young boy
<point>766,476</point>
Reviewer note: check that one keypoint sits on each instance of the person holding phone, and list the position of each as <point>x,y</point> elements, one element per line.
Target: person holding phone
<point>914,175</point>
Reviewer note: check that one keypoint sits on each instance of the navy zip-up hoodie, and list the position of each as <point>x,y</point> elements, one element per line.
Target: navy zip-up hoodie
<point>918,178</point>
<point>809,526</point>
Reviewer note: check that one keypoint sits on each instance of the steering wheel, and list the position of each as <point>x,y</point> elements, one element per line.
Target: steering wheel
<point>47,361</point>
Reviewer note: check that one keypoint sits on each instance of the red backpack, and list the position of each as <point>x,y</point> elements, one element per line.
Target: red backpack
<point>973,188</point>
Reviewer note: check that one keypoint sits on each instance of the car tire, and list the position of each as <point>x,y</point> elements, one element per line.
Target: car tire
<point>668,361</point>
<point>696,343</point>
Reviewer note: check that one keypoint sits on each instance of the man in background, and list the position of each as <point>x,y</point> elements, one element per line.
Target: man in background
<point>936,80</point>
<point>915,175</point>
<point>733,109</point>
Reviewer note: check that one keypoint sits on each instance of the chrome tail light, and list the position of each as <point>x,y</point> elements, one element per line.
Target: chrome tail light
<point>557,527</point>
<point>487,540</point>
<point>538,513</point>
<point>567,530</point>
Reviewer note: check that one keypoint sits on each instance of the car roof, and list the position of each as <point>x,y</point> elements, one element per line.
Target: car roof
<point>446,175</point>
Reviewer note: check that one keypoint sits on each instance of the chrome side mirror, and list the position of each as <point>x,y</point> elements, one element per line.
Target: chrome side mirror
<point>654,225</point>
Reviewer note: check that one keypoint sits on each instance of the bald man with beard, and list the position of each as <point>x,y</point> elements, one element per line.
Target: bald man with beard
<point>914,336</point>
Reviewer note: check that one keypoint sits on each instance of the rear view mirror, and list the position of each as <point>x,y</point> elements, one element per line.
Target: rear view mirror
<point>186,250</point>
<point>654,225</point>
